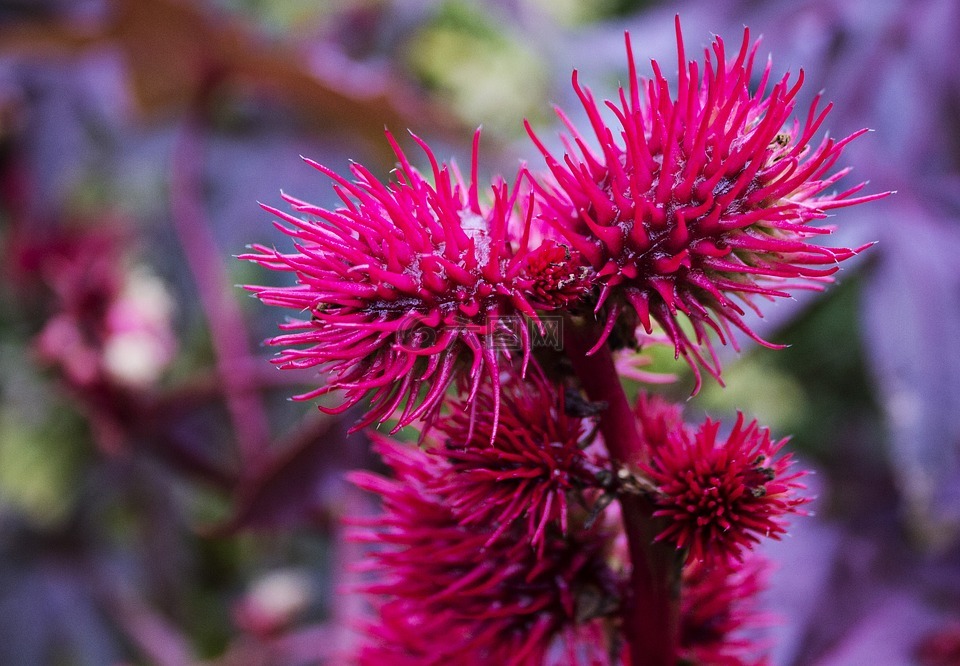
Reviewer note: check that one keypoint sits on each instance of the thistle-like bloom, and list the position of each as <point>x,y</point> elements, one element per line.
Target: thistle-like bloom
<point>700,201</point>
<point>407,287</point>
<point>450,595</point>
<point>659,421</point>
<point>719,497</point>
<point>718,604</point>
<point>528,468</point>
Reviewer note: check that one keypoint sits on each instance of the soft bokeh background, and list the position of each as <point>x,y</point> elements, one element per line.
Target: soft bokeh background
<point>161,502</point>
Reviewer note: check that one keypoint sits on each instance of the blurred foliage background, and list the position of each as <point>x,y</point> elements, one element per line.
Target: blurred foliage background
<point>162,502</point>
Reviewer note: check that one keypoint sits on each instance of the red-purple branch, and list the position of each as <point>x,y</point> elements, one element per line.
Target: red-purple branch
<point>651,609</point>
<point>228,331</point>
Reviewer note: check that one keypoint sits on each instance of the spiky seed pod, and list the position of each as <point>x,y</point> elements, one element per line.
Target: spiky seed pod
<point>718,607</point>
<point>472,600</point>
<point>529,469</point>
<point>407,286</point>
<point>720,496</point>
<point>700,203</point>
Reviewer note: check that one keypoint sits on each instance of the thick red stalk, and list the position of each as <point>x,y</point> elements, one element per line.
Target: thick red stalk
<point>651,610</point>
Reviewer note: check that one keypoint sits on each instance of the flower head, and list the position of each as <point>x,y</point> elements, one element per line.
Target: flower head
<point>407,286</point>
<point>718,605</point>
<point>659,421</point>
<point>698,204</point>
<point>528,468</point>
<point>450,595</point>
<point>720,496</point>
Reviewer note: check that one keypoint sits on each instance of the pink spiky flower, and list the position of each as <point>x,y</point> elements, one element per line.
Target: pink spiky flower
<point>527,470</point>
<point>719,496</point>
<point>718,606</point>
<point>406,287</point>
<point>700,201</point>
<point>659,421</point>
<point>450,594</point>
<point>406,635</point>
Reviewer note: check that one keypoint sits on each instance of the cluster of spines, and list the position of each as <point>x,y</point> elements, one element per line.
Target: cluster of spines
<point>695,201</point>
<point>696,207</point>
<point>406,286</point>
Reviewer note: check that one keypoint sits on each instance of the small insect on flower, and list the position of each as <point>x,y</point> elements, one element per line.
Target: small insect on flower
<point>700,203</point>
<point>406,285</point>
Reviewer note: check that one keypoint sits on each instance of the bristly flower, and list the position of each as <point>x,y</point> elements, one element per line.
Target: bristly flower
<point>449,594</point>
<point>719,497</point>
<point>659,421</point>
<point>528,468</point>
<point>698,202</point>
<point>407,287</point>
<point>718,605</point>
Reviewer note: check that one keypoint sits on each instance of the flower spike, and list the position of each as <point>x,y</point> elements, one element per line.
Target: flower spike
<point>527,470</point>
<point>408,286</point>
<point>717,496</point>
<point>449,594</point>
<point>700,203</point>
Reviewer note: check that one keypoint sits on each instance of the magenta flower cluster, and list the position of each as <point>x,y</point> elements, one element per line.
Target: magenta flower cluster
<point>544,519</point>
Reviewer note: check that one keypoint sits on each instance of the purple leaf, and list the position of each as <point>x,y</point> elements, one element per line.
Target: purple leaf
<point>888,635</point>
<point>151,633</point>
<point>803,563</point>
<point>50,614</point>
<point>911,306</point>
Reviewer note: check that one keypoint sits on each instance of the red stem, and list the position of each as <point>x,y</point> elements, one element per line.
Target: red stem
<point>228,331</point>
<point>651,610</point>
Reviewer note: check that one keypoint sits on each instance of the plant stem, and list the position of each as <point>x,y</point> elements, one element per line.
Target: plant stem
<point>228,332</point>
<point>651,609</point>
